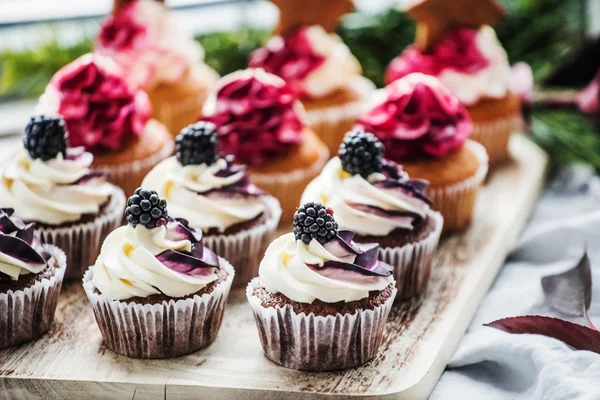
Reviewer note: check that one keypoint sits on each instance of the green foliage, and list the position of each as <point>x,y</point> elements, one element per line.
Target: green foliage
<point>568,136</point>
<point>376,40</point>
<point>26,73</point>
<point>229,51</point>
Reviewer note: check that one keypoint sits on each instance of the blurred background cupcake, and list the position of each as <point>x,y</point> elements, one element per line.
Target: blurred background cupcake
<point>321,300</point>
<point>158,56</point>
<point>52,185</point>
<point>108,117</point>
<point>206,188</point>
<point>426,129</point>
<point>150,270</point>
<point>377,200</point>
<point>457,46</point>
<point>262,124</point>
<point>317,65</point>
<point>31,275</point>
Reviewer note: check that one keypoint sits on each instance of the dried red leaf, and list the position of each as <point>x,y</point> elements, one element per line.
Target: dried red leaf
<point>570,292</point>
<point>574,335</point>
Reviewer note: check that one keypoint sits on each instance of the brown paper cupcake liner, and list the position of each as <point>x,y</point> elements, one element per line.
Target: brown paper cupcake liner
<point>27,314</point>
<point>456,202</point>
<point>318,343</point>
<point>413,261</point>
<point>129,176</point>
<point>287,187</point>
<point>495,135</point>
<point>165,330</point>
<point>332,123</point>
<point>81,242</point>
<point>246,249</point>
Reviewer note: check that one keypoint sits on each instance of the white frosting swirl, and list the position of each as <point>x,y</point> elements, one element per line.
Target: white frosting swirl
<point>49,192</point>
<point>335,188</point>
<point>492,81</point>
<point>181,187</point>
<point>285,269</point>
<point>337,69</point>
<point>127,265</point>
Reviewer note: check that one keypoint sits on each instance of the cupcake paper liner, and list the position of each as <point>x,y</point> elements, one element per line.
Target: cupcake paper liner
<point>413,261</point>
<point>456,202</point>
<point>287,187</point>
<point>494,136</point>
<point>27,314</point>
<point>165,330</point>
<point>318,343</point>
<point>246,249</point>
<point>332,123</point>
<point>129,176</point>
<point>82,242</point>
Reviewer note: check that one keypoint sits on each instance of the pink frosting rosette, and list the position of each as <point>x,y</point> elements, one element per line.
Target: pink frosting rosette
<point>100,109</point>
<point>458,51</point>
<point>291,57</point>
<point>257,115</point>
<point>416,117</point>
<point>146,41</point>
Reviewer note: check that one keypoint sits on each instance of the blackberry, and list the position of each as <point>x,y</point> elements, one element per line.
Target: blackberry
<point>45,137</point>
<point>361,153</point>
<point>197,144</point>
<point>146,208</point>
<point>314,221</point>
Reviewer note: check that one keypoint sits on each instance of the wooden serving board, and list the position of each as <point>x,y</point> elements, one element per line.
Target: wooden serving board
<point>70,362</point>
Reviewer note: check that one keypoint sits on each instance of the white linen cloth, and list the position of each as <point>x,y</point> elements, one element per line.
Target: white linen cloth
<point>493,365</point>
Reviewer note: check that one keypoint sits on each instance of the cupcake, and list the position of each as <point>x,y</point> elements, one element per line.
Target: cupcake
<point>156,290</point>
<point>261,123</point>
<point>321,300</point>
<point>109,118</point>
<point>31,275</point>
<point>214,195</point>
<point>377,200</point>
<point>158,56</point>
<point>47,182</point>
<point>426,129</point>
<point>327,77</point>
<point>472,64</point>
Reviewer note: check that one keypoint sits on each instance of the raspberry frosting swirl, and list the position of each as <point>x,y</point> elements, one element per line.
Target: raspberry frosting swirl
<point>315,63</point>
<point>140,262</point>
<point>257,115</point>
<point>53,192</point>
<point>416,117</point>
<point>339,270</point>
<point>383,202</point>
<point>470,62</point>
<point>21,251</point>
<point>146,40</point>
<point>208,196</point>
<point>101,110</point>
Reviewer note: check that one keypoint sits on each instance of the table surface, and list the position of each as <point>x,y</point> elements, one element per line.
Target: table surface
<point>420,336</point>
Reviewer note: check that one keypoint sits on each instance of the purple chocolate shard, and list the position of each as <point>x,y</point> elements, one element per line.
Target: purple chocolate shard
<point>393,215</point>
<point>27,234</point>
<point>179,229</point>
<point>365,262</point>
<point>86,178</point>
<point>408,188</point>
<point>184,263</point>
<point>380,269</point>
<point>10,225</point>
<point>19,249</point>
